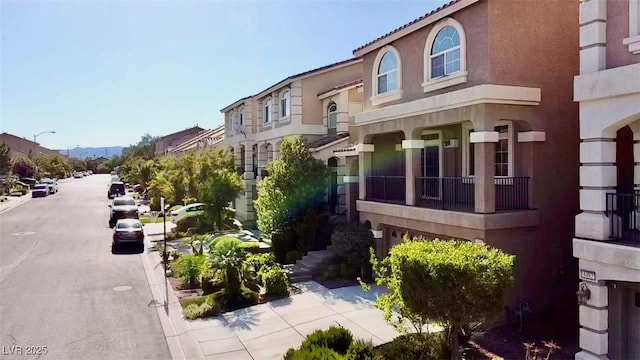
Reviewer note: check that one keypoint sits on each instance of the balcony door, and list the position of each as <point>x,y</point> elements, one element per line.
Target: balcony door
<point>431,165</point>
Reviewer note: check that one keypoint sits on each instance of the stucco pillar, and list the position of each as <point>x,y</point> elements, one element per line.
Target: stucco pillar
<point>275,111</point>
<point>485,186</point>
<point>598,176</point>
<point>593,36</point>
<point>364,168</point>
<point>276,150</point>
<point>351,180</point>
<point>412,149</point>
<point>343,112</point>
<point>248,163</point>
<point>261,158</point>
<point>237,153</point>
<point>594,322</point>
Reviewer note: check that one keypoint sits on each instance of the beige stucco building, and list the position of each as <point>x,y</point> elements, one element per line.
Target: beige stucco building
<point>205,140</point>
<point>607,231</point>
<point>317,104</point>
<point>470,131</point>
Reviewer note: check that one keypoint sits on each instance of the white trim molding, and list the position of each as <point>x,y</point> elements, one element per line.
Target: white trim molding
<point>354,150</point>
<point>532,136</point>
<point>392,95</point>
<point>351,179</point>
<point>484,137</point>
<point>608,83</point>
<point>377,234</point>
<point>459,77</point>
<point>633,41</point>
<point>480,94</point>
<point>412,144</point>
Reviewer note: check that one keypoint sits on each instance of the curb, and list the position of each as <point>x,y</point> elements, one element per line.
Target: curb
<point>17,203</point>
<point>182,342</point>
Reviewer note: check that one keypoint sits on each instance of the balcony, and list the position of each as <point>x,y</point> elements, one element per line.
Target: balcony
<point>448,193</point>
<point>623,211</point>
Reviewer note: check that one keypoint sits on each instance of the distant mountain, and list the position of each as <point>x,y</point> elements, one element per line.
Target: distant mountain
<point>88,152</point>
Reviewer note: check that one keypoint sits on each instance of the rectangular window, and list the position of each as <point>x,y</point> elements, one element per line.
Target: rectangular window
<point>382,84</point>
<point>241,119</point>
<point>283,108</point>
<point>437,66</point>
<point>452,62</point>
<point>333,120</point>
<point>267,114</point>
<point>501,153</point>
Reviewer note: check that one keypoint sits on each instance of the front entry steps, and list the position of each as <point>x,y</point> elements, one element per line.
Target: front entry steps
<point>311,264</point>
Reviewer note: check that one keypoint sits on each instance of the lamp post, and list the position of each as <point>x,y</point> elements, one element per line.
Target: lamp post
<point>35,139</point>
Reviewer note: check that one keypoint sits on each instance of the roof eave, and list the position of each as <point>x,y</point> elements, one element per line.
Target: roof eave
<point>328,93</point>
<point>402,32</point>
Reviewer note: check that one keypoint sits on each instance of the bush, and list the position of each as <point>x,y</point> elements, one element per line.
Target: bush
<point>360,350</point>
<point>188,268</point>
<point>351,242</point>
<point>275,281</point>
<point>203,310</point>
<point>416,346</point>
<point>293,256</point>
<point>248,245</point>
<point>335,338</point>
<point>316,353</point>
<point>192,221</point>
<point>189,200</point>
<point>226,242</point>
<point>257,262</point>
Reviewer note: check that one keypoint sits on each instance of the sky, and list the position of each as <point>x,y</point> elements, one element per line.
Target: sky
<point>104,73</point>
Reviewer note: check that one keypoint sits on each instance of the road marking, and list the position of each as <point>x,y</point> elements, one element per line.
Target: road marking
<point>122,288</point>
<point>23,233</point>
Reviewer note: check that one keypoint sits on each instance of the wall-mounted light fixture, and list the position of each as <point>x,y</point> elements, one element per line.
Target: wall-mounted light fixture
<point>583,293</point>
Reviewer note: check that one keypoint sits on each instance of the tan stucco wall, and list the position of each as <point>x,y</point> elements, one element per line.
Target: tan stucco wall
<point>617,29</point>
<point>312,107</point>
<point>411,49</point>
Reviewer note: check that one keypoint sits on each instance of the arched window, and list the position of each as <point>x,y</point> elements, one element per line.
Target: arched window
<point>445,53</point>
<point>387,73</point>
<point>332,116</point>
<point>267,111</point>
<point>241,117</point>
<point>285,104</point>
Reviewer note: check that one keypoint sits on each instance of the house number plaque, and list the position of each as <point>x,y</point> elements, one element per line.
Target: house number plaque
<point>587,275</point>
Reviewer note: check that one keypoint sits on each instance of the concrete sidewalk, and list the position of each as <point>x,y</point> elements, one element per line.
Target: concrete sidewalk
<point>13,201</point>
<point>152,229</point>
<point>266,331</point>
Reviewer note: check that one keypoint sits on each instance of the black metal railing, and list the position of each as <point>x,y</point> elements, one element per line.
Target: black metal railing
<point>446,193</point>
<point>512,193</point>
<point>389,189</point>
<point>623,211</point>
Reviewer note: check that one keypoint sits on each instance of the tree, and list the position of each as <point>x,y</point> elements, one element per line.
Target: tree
<point>217,192</point>
<point>5,159</point>
<point>24,167</point>
<point>54,165</point>
<point>297,181</point>
<point>352,242</point>
<point>459,284</point>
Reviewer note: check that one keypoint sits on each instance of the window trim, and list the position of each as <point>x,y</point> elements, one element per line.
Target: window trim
<point>457,78</point>
<point>467,126</point>
<point>285,95</point>
<point>633,41</point>
<point>329,113</point>
<point>267,108</point>
<point>393,95</point>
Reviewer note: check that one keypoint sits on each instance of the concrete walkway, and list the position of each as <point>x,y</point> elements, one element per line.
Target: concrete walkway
<point>265,331</point>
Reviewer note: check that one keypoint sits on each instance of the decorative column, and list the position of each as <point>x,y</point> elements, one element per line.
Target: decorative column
<point>528,141</point>
<point>261,159</point>
<point>350,180</point>
<point>364,167</point>
<point>412,149</point>
<point>237,152</point>
<point>594,321</point>
<point>342,125</point>
<point>593,35</point>
<point>378,236</point>
<point>275,111</point>
<point>296,102</point>
<point>485,169</point>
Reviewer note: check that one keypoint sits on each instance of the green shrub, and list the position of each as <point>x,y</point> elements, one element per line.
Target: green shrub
<point>203,310</point>
<point>335,338</point>
<point>189,200</point>
<point>225,241</point>
<point>257,262</point>
<point>188,268</point>
<point>196,222</point>
<point>360,350</point>
<point>247,245</point>
<point>293,256</point>
<point>351,242</point>
<point>416,346</point>
<point>316,353</point>
<point>276,281</point>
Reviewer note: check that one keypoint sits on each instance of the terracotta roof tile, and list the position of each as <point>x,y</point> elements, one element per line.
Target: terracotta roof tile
<point>406,25</point>
<point>342,86</point>
<point>327,139</point>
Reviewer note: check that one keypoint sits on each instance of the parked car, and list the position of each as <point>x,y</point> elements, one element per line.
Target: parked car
<point>128,231</point>
<point>191,209</point>
<point>78,175</point>
<point>116,188</point>
<point>29,181</point>
<point>40,190</point>
<point>53,184</point>
<point>123,207</point>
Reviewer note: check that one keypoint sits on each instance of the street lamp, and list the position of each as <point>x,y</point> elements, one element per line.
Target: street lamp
<point>35,139</point>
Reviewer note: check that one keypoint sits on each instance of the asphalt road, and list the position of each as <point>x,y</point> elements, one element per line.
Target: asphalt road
<point>61,287</point>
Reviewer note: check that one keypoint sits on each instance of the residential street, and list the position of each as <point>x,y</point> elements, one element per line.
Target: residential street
<point>61,287</point>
